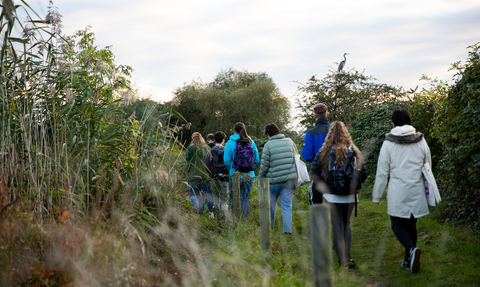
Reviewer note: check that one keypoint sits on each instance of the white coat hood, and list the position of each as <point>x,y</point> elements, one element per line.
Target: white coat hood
<point>403,130</point>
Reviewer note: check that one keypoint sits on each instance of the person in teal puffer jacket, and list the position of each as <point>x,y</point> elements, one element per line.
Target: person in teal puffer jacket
<point>278,165</point>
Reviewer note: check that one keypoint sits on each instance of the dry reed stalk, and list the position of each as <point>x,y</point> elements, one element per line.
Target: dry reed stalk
<point>99,185</point>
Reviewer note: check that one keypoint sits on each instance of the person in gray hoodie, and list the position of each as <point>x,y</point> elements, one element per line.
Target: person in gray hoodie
<point>218,172</point>
<point>278,165</point>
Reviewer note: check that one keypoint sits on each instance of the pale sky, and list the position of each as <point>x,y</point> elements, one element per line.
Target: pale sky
<point>169,43</point>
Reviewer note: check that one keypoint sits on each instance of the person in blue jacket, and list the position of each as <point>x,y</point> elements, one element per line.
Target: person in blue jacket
<point>314,139</point>
<point>247,178</point>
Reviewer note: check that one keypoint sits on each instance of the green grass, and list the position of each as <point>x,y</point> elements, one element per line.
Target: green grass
<point>450,255</point>
<point>188,250</point>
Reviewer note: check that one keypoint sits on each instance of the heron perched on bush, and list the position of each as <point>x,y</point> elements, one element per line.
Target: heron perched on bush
<point>342,63</point>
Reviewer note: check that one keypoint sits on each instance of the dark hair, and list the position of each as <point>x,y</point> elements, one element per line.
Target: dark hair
<point>210,137</point>
<point>320,110</point>
<point>272,129</point>
<point>401,117</point>
<point>219,137</point>
<point>241,130</point>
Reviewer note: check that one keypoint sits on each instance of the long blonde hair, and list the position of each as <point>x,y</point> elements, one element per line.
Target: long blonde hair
<point>339,138</point>
<point>197,140</point>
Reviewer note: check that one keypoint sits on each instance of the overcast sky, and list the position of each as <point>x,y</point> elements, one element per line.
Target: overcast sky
<point>168,43</point>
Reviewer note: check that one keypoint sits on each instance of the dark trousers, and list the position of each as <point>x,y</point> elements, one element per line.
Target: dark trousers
<point>405,229</point>
<point>340,214</point>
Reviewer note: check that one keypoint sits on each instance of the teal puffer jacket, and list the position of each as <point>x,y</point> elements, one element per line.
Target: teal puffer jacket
<point>278,159</point>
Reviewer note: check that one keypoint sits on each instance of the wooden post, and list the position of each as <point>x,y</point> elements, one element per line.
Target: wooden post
<point>264,212</point>
<point>237,208</point>
<point>321,245</point>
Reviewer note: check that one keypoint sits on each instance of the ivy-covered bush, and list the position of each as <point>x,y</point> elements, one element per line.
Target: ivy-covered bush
<point>458,131</point>
<point>369,127</point>
<point>368,133</point>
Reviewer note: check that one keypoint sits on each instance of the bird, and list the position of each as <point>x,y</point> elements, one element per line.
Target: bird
<point>342,63</point>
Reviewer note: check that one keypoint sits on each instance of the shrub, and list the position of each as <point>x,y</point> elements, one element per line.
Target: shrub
<point>459,134</point>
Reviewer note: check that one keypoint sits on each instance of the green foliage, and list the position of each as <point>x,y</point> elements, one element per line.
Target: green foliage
<point>233,96</point>
<point>369,127</point>
<point>65,137</point>
<point>150,113</point>
<point>423,108</point>
<point>368,131</point>
<point>459,134</point>
<point>344,93</point>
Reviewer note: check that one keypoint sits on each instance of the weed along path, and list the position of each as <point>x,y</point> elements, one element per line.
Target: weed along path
<point>450,255</point>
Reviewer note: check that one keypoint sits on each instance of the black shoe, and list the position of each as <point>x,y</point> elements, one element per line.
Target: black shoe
<point>350,264</point>
<point>405,264</point>
<point>415,260</point>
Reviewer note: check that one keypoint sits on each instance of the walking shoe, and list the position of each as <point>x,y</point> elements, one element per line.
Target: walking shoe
<point>349,264</point>
<point>211,216</point>
<point>415,260</point>
<point>405,264</point>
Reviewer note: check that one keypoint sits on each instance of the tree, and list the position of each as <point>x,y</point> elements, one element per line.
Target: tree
<point>233,96</point>
<point>344,94</point>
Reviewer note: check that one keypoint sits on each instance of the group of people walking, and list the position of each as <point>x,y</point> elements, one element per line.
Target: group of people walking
<point>337,173</point>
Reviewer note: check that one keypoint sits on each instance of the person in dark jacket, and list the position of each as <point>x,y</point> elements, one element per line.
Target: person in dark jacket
<point>314,139</point>
<point>211,140</point>
<point>339,143</point>
<point>219,178</point>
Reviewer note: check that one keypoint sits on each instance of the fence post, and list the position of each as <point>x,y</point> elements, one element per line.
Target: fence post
<point>264,212</point>
<point>237,208</point>
<point>322,269</point>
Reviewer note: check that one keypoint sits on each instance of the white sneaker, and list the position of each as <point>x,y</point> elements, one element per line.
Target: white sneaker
<point>415,259</point>
<point>211,216</point>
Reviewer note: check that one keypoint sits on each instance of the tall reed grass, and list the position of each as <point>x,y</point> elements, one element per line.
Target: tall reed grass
<point>82,184</point>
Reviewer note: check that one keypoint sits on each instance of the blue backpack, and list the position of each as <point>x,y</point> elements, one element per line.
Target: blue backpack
<point>244,159</point>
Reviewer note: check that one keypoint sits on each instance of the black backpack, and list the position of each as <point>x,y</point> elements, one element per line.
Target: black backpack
<point>217,167</point>
<point>343,179</point>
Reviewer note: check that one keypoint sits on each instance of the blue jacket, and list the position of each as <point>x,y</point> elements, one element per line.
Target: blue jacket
<point>315,138</point>
<point>229,153</point>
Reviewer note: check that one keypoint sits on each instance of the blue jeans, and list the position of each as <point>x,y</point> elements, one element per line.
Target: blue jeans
<point>198,193</point>
<point>245,188</point>
<point>284,191</point>
<point>220,190</point>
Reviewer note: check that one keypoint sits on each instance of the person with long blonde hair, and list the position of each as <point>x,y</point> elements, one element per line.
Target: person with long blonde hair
<point>339,151</point>
<point>197,174</point>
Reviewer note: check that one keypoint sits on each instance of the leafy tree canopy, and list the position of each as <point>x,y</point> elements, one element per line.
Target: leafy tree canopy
<point>345,93</point>
<point>233,96</point>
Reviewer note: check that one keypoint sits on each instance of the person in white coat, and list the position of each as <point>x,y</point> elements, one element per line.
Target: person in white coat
<point>402,156</point>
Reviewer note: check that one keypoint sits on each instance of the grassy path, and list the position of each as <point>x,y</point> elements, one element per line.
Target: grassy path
<point>450,255</point>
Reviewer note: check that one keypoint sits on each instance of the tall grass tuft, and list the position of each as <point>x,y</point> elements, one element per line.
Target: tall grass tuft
<point>81,182</point>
